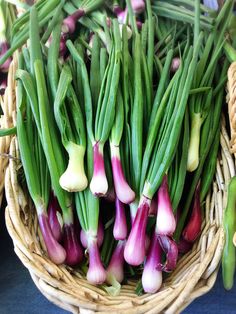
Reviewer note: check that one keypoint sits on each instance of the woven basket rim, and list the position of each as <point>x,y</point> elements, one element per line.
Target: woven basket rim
<point>194,275</point>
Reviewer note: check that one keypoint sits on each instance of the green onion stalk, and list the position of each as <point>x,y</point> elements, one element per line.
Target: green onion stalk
<point>105,109</point>
<point>72,133</point>
<point>34,84</point>
<point>88,207</point>
<point>230,51</point>
<point>123,191</point>
<point>208,171</point>
<point>47,10</point>
<point>57,16</point>
<point>210,132</point>
<point>133,108</point>
<point>229,256</point>
<point>160,159</point>
<point>23,20</point>
<point>145,202</point>
<point>184,12</point>
<point>36,171</point>
<point>197,119</point>
<point>20,28</point>
<point>137,103</point>
<point>178,170</point>
<point>200,103</point>
<point>122,127</point>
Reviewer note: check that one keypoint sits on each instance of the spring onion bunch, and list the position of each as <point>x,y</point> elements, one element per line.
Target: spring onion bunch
<point>34,84</point>
<point>123,191</point>
<point>87,206</point>
<point>88,210</point>
<point>118,114</point>
<point>158,166</point>
<point>73,133</point>
<point>200,103</point>
<point>36,171</point>
<point>101,112</point>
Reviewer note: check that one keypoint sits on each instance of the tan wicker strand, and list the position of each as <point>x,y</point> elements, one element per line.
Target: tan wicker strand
<point>231,99</point>
<point>194,275</point>
<point>217,256</point>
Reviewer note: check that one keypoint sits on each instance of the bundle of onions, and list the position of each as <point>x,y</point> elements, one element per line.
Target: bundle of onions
<point>118,122</point>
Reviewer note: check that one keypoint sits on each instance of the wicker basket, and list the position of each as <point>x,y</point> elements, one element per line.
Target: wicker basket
<point>7,103</point>
<point>195,274</point>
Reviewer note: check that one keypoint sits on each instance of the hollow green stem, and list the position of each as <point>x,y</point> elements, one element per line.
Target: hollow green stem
<point>229,257</point>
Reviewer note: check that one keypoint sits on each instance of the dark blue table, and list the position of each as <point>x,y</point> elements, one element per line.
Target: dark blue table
<point>19,295</point>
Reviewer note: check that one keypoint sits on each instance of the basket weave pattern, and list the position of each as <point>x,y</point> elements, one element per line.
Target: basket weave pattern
<point>195,274</point>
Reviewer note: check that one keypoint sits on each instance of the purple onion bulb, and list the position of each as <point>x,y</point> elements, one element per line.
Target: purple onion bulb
<point>151,277</point>
<point>193,227</point>
<point>69,23</point>
<point>135,246</point>
<point>120,225</point>
<point>123,191</point>
<point>171,249</point>
<point>165,223</point>
<point>74,253</point>
<point>116,265</point>
<point>55,251</point>
<point>96,273</point>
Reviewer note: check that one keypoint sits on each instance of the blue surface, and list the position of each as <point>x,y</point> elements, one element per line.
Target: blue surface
<point>19,295</point>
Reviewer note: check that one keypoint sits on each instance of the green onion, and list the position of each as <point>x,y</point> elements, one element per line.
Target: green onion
<point>72,133</point>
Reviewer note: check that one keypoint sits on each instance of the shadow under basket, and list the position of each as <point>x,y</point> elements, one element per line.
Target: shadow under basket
<point>194,275</point>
